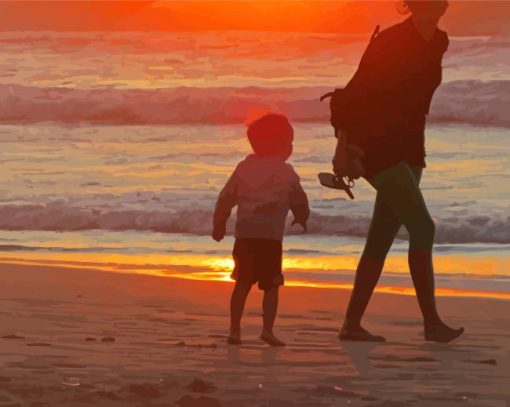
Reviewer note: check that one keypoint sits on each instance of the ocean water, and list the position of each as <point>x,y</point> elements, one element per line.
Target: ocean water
<point>113,147</point>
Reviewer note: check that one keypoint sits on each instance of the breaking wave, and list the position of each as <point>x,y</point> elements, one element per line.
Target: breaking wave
<point>57,216</point>
<point>470,102</point>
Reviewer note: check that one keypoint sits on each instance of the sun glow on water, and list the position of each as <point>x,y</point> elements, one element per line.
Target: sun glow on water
<point>223,263</point>
<point>333,272</point>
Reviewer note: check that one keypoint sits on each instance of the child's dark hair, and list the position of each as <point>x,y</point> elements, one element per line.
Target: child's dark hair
<point>269,134</point>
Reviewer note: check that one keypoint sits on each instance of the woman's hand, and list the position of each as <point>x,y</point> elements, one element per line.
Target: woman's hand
<point>340,163</point>
<point>347,162</point>
<point>355,168</point>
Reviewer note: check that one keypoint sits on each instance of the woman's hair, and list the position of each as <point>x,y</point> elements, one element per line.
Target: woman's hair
<point>270,134</point>
<point>402,7</point>
<point>405,6</point>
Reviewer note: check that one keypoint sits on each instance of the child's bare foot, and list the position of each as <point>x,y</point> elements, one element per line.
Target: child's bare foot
<point>234,337</point>
<point>442,333</point>
<point>269,338</point>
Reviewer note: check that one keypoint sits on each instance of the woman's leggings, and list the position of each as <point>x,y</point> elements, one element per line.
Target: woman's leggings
<point>399,202</point>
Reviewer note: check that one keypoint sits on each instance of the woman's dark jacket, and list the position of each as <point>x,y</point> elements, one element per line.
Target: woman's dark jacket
<point>389,96</point>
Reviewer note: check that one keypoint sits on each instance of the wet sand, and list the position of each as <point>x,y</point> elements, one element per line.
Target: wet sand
<point>80,337</point>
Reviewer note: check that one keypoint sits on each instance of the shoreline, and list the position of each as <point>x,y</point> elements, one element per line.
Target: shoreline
<point>222,275</point>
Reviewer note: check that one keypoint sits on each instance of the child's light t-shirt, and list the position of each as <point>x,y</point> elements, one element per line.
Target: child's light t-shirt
<point>264,189</point>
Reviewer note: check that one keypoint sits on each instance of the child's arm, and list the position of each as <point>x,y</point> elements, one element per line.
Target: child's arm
<point>299,204</point>
<point>226,201</point>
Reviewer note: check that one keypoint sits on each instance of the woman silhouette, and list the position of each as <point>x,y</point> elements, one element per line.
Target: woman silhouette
<point>390,95</point>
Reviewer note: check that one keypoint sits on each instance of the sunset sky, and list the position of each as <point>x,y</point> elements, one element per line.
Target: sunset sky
<point>464,17</point>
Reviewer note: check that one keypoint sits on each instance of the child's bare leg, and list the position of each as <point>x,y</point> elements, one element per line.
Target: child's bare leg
<point>269,307</point>
<point>237,302</point>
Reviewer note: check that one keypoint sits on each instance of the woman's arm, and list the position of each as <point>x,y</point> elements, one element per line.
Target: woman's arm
<point>347,160</point>
<point>340,157</point>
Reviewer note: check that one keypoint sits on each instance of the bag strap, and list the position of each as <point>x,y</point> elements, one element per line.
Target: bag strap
<point>375,33</point>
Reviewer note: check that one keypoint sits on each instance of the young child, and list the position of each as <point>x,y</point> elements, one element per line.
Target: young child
<point>264,187</point>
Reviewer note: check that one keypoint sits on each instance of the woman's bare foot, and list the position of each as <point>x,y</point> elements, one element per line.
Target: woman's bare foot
<point>442,333</point>
<point>359,334</point>
<point>234,337</point>
<point>269,338</point>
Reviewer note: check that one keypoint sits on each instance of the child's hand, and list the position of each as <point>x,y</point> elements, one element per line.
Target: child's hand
<point>219,233</point>
<point>303,224</point>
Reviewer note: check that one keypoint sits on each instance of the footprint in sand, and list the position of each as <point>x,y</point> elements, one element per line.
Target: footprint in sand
<point>202,401</point>
<point>201,386</point>
<point>13,336</point>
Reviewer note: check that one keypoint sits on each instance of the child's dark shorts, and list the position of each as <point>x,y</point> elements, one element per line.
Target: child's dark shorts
<point>258,260</point>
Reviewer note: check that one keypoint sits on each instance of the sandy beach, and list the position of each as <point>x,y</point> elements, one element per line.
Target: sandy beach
<point>79,337</point>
